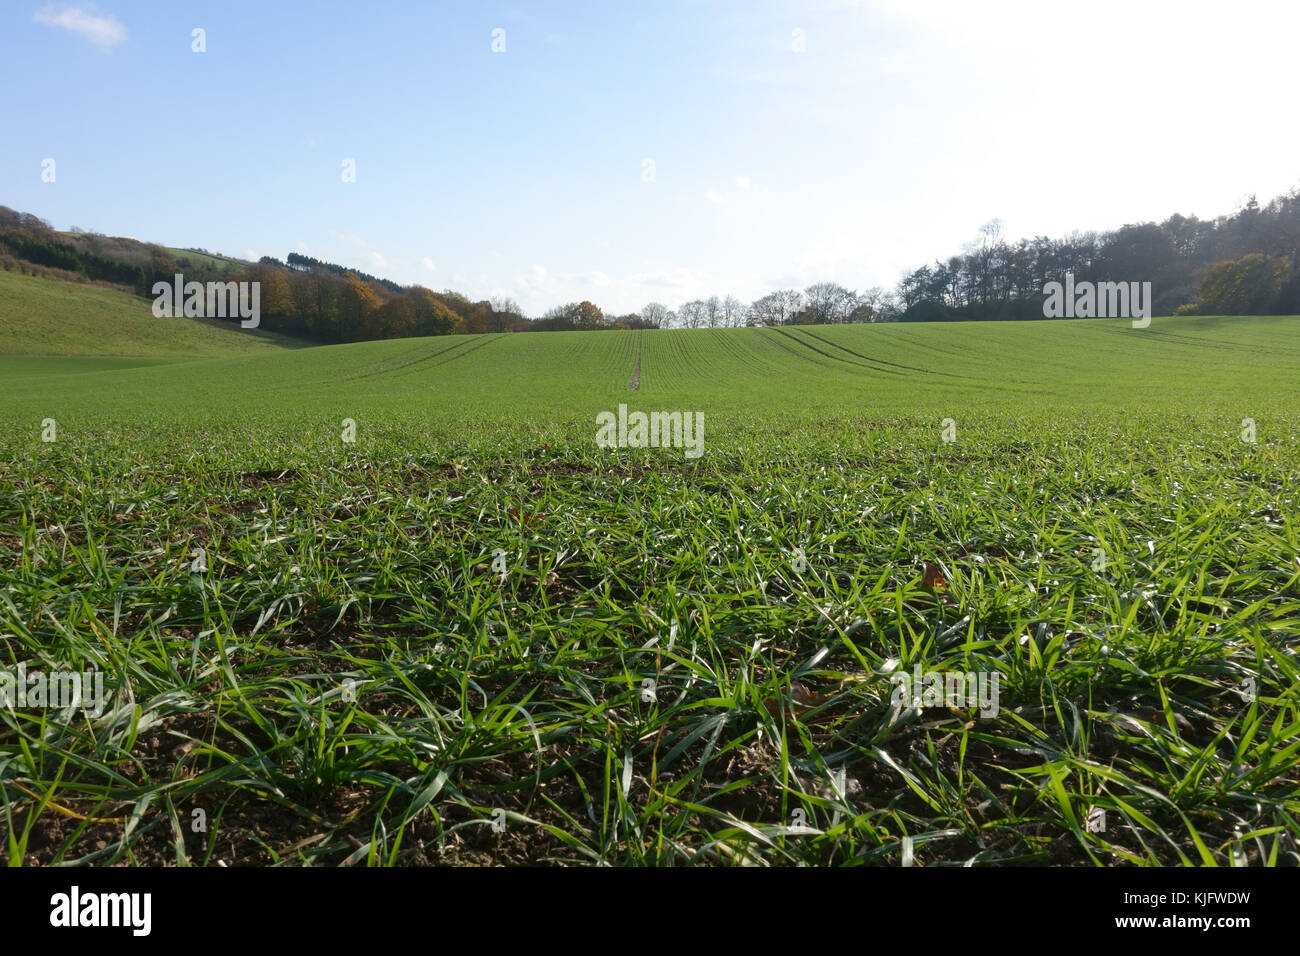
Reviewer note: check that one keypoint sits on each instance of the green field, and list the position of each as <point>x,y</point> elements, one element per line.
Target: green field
<point>312,642</point>
<point>187,256</point>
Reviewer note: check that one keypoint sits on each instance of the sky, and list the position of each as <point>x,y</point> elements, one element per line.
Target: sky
<point>628,152</point>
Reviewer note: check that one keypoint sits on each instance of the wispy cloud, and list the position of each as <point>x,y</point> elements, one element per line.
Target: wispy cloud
<point>103,30</point>
<point>540,288</point>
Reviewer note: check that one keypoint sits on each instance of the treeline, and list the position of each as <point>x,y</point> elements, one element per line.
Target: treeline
<point>303,263</point>
<point>302,296</point>
<point>88,256</point>
<point>332,305</point>
<point>1246,263</point>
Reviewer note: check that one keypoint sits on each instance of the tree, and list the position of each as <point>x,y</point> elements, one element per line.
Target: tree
<point>471,317</point>
<point>828,303</point>
<point>357,302</point>
<point>629,320</point>
<point>429,314</point>
<point>984,276</point>
<point>712,311</point>
<point>1143,252</point>
<point>655,316</point>
<point>1250,285</point>
<point>776,308</point>
<point>315,298</point>
<point>584,316</point>
<point>734,312</point>
<point>556,319</point>
<point>276,298</point>
<point>506,314</point>
<point>872,306</point>
<point>392,320</point>
<point>693,314</point>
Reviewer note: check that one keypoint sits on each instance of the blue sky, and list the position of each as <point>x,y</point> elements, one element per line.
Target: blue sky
<point>898,129</point>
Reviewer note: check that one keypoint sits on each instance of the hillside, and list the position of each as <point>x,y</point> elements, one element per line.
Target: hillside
<point>188,257</point>
<point>42,317</point>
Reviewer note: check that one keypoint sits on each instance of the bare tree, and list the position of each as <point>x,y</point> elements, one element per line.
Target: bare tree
<point>655,315</point>
<point>871,306</point>
<point>792,302</point>
<point>713,310</point>
<point>830,303</point>
<point>765,310</point>
<point>693,314</point>
<point>776,308</point>
<point>733,312</point>
<point>504,303</point>
<point>506,314</point>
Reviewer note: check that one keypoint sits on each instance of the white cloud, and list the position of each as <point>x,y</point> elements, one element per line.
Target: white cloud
<point>713,195</point>
<point>743,182</point>
<point>679,278</point>
<point>428,265</point>
<point>377,261</point>
<point>301,246</point>
<point>103,30</point>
